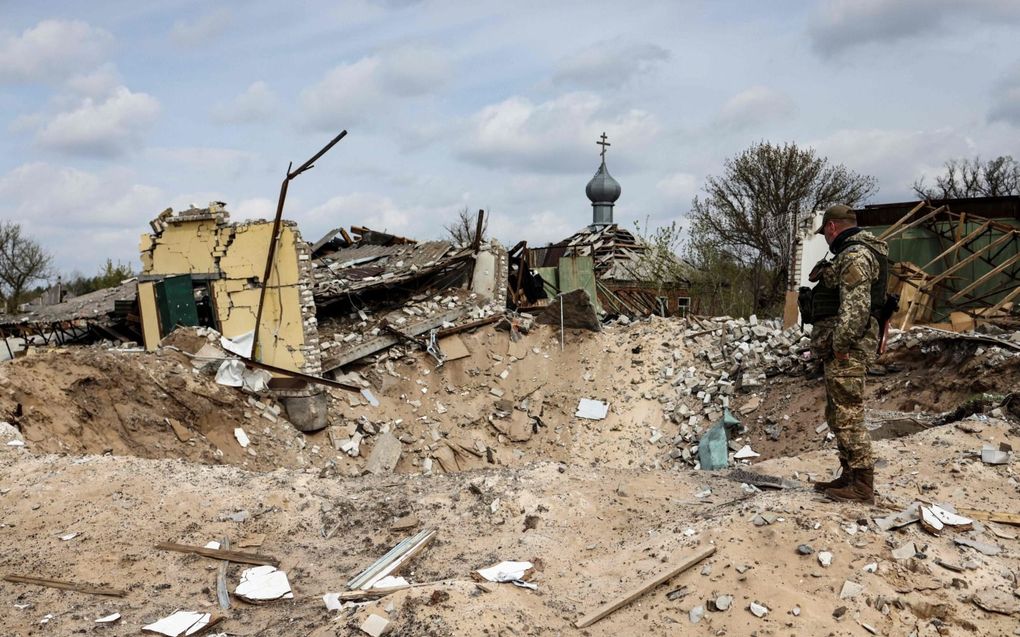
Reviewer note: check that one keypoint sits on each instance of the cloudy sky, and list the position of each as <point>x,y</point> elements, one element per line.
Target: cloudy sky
<point>113,111</point>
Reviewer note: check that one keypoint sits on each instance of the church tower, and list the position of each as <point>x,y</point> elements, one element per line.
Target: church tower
<point>602,191</point>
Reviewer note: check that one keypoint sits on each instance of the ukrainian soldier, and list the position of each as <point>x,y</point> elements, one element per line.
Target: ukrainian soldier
<point>845,306</point>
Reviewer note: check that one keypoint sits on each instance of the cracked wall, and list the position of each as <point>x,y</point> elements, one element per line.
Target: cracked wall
<point>232,258</point>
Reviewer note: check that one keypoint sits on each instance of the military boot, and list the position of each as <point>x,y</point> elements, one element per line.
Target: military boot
<point>841,481</point>
<point>860,489</point>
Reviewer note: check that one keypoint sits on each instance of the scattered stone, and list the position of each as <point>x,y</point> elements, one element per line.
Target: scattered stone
<point>375,625</point>
<point>996,601</point>
<point>850,590</point>
<point>805,549</point>
<point>385,454</point>
<point>839,612</point>
<point>825,559</point>
<point>904,552</point>
<point>721,604</point>
<point>758,610</point>
<point>870,568</point>
<point>696,614</point>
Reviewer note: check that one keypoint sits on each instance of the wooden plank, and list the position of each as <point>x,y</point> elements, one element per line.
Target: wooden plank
<point>623,600</point>
<point>912,224</point>
<point>956,246</point>
<point>970,259</point>
<point>902,220</point>
<point>382,342</point>
<point>991,516</point>
<point>222,595</point>
<point>219,554</point>
<point>986,277</point>
<point>1003,301</point>
<point>66,586</point>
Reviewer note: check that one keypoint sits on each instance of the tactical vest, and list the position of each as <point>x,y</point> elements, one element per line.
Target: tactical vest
<point>824,300</point>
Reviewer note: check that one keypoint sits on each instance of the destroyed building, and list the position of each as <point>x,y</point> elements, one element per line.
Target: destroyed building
<point>954,263</point>
<point>198,269</point>
<point>619,271</point>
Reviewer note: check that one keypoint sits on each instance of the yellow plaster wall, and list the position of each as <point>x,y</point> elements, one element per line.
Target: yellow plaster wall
<point>238,255</point>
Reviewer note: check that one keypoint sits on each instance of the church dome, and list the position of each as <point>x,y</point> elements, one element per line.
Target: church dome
<point>603,188</point>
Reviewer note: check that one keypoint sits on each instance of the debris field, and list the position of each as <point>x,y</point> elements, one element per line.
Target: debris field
<point>533,483</point>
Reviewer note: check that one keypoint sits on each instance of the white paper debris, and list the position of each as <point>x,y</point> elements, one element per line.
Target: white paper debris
<point>263,583</point>
<point>991,455</point>
<point>332,601</point>
<point>214,545</point>
<point>230,373</point>
<point>949,518</point>
<point>240,345</point>
<point>242,437</point>
<point>745,453</point>
<point>182,622</point>
<point>512,572</point>
<point>66,537</point>
<point>46,618</point>
<point>16,443</point>
<point>255,380</point>
<point>109,619</point>
<point>592,409</point>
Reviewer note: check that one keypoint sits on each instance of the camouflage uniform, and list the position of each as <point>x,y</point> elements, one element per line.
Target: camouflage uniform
<point>854,331</point>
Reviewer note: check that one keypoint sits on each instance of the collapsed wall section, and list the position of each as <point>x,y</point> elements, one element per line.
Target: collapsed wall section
<point>201,270</point>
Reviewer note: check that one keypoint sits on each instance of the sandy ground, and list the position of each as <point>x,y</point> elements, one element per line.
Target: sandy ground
<point>594,504</point>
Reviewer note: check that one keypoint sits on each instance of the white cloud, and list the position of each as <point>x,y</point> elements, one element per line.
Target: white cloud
<point>206,160</point>
<point>97,83</point>
<point>755,106</point>
<point>539,228</point>
<point>679,186</point>
<point>897,158</point>
<point>256,103</point>
<point>101,128</point>
<point>254,208</point>
<point>375,211</point>
<point>200,30</point>
<point>409,70</point>
<point>839,25</point>
<point>609,64</point>
<point>1006,99</point>
<point>52,50</point>
<point>557,135</point>
<point>357,92</point>
<point>70,200</point>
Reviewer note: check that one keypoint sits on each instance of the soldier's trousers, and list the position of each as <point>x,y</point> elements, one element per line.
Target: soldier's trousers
<point>844,409</point>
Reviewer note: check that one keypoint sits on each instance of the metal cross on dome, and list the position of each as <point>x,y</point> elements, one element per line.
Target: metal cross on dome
<point>603,144</point>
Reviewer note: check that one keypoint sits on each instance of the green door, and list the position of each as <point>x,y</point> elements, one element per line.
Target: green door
<point>175,298</point>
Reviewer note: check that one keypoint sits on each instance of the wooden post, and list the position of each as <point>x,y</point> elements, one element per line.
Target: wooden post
<point>623,600</point>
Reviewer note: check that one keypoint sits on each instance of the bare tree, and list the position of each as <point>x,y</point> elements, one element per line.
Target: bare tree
<point>22,261</point>
<point>968,178</point>
<point>752,213</point>
<point>462,229</point>
<point>659,262</point>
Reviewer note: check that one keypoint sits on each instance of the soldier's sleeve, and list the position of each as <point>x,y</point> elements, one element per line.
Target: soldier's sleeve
<point>855,275</point>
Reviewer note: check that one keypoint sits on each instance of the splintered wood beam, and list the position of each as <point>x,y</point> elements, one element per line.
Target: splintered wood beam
<point>902,220</point>
<point>912,224</point>
<point>970,259</point>
<point>66,586</point>
<point>956,246</point>
<point>219,554</point>
<point>986,277</point>
<point>1004,300</point>
<point>623,600</point>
